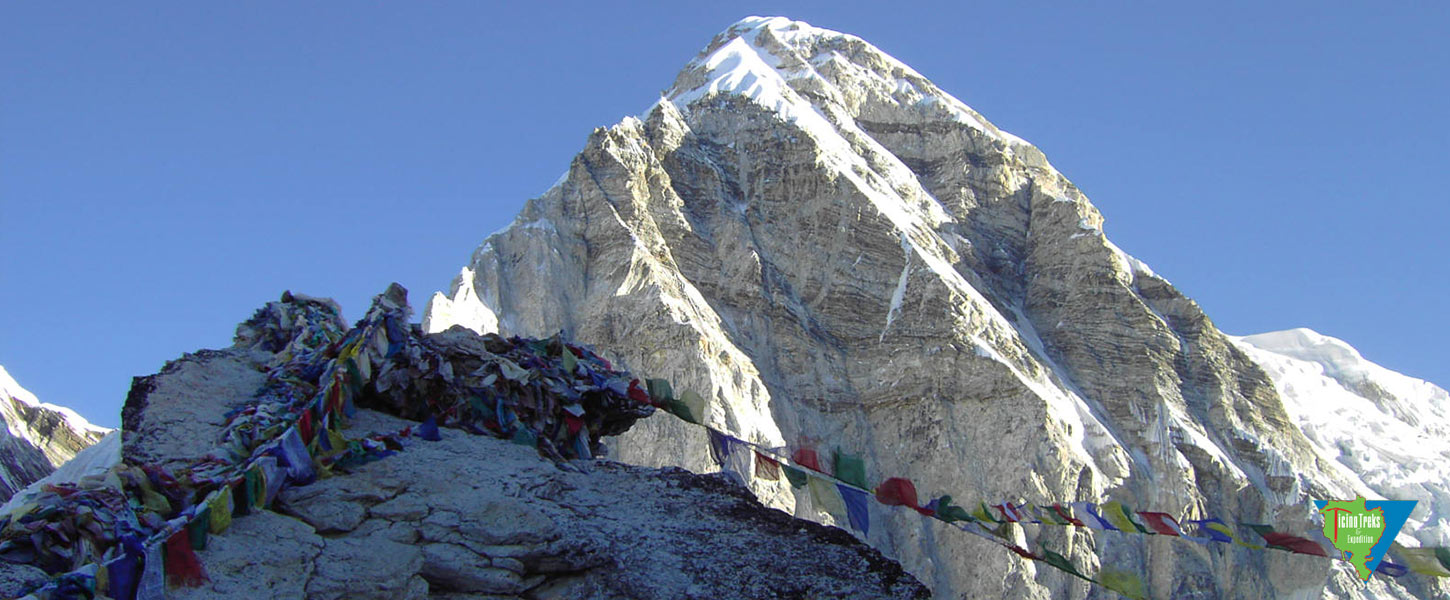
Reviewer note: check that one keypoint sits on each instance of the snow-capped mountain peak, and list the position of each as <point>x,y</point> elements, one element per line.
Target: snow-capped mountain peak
<point>1386,429</point>
<point>37,437</point>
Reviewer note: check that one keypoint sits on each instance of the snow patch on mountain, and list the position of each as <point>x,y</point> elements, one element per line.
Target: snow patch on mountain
<point>1386,429</point>
<point>9,388</point>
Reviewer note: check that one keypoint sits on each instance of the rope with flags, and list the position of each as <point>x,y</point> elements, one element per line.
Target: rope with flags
<point>803,468</point>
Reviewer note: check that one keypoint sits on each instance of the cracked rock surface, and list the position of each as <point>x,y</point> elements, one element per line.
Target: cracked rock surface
<point>472,517</point>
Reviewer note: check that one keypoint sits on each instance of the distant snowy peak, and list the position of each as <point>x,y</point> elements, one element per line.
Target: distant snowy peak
<point>38,437</point>
<point>1388,428</point>
<point>809,74</point>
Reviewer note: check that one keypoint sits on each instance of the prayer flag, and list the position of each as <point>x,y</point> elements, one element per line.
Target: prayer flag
<point>429,429</point>
<point>856,508</point>
<point>1123,582</point>
<point>719,446</point>
<point>826,498</point>
<point>1391,569</point>
<point>1162,523</point>
<point>182,567</point>
<point>806,457</point>
<point>1421,560</point>
<point>796,477</point>
<point>897,491</point>
<point>1284,541</point>
<point>1119,516</point>
<point>197,528</point>
<point>221,511</point>
<point>1062,564</point>
<point>1216,530</point>
<point>766,468</point>
<point>850,469</point>
<point>1065,515</point>
<point>949,513</point>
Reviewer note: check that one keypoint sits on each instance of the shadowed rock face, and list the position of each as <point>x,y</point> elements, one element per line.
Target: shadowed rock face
<point>36,438</point>
<point>835,251</point>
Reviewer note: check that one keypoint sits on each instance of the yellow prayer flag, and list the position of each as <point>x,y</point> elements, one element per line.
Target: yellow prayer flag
<point>1421,560</point>
<point>827,498</point>
<point>221,510</point>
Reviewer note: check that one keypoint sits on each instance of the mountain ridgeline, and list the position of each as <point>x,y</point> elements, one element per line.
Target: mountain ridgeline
<point>837,253</point>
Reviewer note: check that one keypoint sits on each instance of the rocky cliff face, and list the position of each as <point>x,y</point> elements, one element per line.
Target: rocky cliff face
<point>836,252</point>
<point>37,437</point>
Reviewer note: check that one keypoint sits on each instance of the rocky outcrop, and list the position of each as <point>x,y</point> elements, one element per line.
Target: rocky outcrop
<point>474,517</point>
<point>37,437</point>
<point>836,252</point>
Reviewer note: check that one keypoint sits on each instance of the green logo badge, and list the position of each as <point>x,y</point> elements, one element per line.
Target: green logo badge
<point>1364,529</point>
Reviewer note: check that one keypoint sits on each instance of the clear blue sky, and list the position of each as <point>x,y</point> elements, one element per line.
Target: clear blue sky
<point>167,168</point>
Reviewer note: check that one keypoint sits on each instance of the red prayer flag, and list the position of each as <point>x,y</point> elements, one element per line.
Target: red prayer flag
<point>766,467</point>
<point>897,491</point>
<point>637,394</point>
<point>304,426</point>
<point>182,567</point>
<point>1294,543</point>
<point>1066,515</point>
<point>1162,523</point>
<point>806,457</point>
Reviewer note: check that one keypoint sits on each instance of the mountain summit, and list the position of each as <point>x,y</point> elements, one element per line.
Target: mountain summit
<point>837,253</point>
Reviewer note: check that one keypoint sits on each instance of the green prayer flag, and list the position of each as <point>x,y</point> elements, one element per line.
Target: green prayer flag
<point>1062,564</point>
<point>949,513</point>
<point>850,469</point>
<point>1443,554</point>
<point>1122,582</point>
<point>196,530</point>
<point>659,389</point>
<point>525,436</point>
<point>690,406</point>
<point>568,359</point>
<point>795,476</point>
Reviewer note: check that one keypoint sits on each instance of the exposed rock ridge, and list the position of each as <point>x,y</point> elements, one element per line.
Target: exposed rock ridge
<point>474,517</point>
